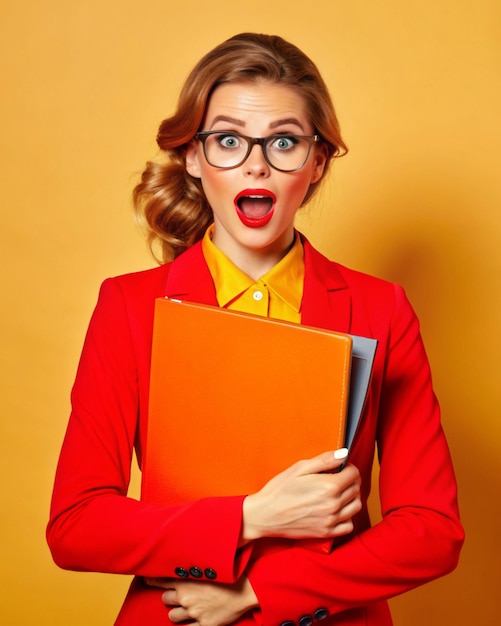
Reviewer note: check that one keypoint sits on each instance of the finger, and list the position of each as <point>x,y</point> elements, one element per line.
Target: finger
<point>179,614</point>
<point>347,477</point>
<point>350,509</point>
<point>343,528</point>
<point>348,484</point>
<point>325,462</point>
<point>169,598</point>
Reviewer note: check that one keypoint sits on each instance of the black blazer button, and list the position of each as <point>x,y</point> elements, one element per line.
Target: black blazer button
<point>182,572</point>
<point>210,573</point>
<point>306,620</point>
<point>196,572</point>
<point>320,614</point>
<point>288,623</point>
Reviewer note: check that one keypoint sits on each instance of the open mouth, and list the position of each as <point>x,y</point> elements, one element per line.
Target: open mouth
<point>255,207</point>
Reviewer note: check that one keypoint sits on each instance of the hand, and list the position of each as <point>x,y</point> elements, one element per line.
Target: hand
<point>204,603</point>
<point>305,501</point>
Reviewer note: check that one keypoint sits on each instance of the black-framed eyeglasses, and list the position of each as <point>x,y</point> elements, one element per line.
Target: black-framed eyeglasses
<point>284,152</point>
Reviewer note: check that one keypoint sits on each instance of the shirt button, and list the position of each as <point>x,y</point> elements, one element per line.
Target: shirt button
<point>306,620</point>
<point>210,573</point>
<point>257,295</point>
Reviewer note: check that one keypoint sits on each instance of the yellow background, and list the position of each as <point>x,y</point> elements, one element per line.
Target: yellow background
<point>417,85</point>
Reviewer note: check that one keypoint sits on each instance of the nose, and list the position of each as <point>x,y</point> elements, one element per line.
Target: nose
<point>255,164</point>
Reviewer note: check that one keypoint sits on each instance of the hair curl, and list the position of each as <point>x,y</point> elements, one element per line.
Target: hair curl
<point>168,200</point>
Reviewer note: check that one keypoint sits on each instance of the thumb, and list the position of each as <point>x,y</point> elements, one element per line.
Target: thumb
<point>325,462</point>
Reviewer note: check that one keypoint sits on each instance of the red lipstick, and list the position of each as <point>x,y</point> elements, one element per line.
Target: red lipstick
<point>255,207</point>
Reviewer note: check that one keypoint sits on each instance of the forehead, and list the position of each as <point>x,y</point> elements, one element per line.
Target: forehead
<point>263,100</point>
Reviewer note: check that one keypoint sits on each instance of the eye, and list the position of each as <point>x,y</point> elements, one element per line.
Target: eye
<point>228,141</point>
<point>283,142</point>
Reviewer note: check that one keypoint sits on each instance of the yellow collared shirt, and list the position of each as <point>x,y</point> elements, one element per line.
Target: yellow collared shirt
<point>277,294</point>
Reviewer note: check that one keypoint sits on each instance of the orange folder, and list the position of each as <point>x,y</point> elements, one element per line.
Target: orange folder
<point>237,398</point>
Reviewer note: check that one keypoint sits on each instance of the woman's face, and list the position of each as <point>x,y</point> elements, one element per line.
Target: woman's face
<point>254,205</point>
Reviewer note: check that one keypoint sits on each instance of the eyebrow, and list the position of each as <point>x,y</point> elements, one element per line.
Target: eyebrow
<point>230,120</point>
<point>241,123</point>
<point>288,120</point>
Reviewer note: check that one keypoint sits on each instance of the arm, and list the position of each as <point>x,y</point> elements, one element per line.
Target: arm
<point>93,524</point>
<point>420,536</point>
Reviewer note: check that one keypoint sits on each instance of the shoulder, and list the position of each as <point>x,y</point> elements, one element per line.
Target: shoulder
<point>136,289</point>
<point>142,283</point>
<point>122,320</point>
<point>337,276</point>
<point>130,298</point>
<point>375,305</point>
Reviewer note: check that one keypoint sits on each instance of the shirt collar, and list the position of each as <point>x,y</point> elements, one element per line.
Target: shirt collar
<point>285,279</point>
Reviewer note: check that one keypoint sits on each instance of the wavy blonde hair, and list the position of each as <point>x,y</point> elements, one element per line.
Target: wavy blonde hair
<point>169,201</point>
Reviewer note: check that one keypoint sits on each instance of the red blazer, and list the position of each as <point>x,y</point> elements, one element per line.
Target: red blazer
<point>94,526</point>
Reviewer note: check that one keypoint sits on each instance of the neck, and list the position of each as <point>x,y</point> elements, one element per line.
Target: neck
<point>256,261</point>
<point>256,265</point>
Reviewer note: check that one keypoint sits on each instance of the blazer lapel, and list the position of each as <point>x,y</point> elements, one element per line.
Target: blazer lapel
<point>189,278</point>
<point>326,296</point>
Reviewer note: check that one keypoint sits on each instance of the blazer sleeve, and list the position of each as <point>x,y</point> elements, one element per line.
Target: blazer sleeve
<point>94,525</point>
<point>420,535</point>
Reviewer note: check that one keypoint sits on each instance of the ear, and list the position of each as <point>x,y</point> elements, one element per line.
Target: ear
<point>319,161</point>
<point>192,159</point>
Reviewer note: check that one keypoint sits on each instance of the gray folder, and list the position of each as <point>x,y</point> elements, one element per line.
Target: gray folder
<point>362,360</point>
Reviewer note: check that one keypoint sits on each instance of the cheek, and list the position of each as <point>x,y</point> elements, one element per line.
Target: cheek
<point>216,186</point>
<point>298,188</point>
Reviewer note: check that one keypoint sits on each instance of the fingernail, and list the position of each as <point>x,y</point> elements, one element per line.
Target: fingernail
<point>342,453</point>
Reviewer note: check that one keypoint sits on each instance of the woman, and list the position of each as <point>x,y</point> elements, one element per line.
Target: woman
<point>253,136</point>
